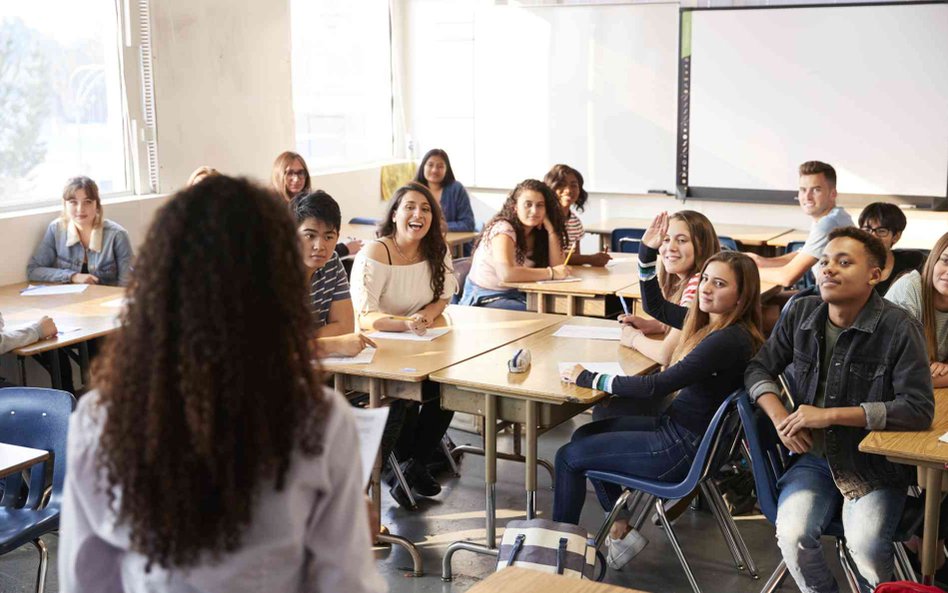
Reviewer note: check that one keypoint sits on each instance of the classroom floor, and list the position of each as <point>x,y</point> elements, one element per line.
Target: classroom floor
<point>458,513</point>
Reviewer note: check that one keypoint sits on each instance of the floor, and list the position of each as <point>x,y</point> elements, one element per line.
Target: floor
<point>458,513</point>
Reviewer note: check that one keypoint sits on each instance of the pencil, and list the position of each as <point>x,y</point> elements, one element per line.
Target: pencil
<point>625,306</point>
<point>568,255</point>
<point>399,318</point>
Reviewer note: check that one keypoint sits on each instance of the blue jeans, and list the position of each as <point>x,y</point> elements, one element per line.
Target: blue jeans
<point>510,299</point>
<point>642,446</point>
<point>808,501</point>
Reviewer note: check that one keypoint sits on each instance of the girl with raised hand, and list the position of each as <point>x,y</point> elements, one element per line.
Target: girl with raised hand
<point>567,183</point>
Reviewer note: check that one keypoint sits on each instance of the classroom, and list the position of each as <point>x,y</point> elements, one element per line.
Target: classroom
<point>650,293</point>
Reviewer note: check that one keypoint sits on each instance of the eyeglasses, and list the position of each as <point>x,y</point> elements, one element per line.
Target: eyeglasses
<point>879,231</point>
<point>298,173</point>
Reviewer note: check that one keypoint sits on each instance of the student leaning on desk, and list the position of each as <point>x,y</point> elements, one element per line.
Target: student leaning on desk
<point>567,183</point>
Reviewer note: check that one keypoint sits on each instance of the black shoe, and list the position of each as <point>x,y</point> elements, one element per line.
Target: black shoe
<point>401,498</point>
<point>421,481</point>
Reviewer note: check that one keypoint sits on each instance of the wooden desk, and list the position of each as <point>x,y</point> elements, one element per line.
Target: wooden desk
<point>924,450</point>
<point>85,311</point>
<point>400,366</point>
<point>749,234</point>
<point>14,458</point>
<point>521,580</point>
<point>456,239</point>
<point>538,399</point>
<point>586,297</point>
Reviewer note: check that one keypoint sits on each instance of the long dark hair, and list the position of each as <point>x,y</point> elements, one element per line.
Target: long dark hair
<point>448,171</point>
<point>209,386</point>
<point>557,177</point>
<point>433,246</point>
<point>508,214</point>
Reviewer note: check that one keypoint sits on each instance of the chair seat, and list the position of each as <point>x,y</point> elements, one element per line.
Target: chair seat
<point>657,488</point>
<point>21,526</point>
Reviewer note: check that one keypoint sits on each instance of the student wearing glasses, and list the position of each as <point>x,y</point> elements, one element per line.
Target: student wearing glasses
<point>886,222</point>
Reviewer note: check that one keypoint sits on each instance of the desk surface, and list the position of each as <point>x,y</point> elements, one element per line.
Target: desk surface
<point>13,458</point>
<point>475,330</point>
<point>366,232</point>
<point>751,234</point>
<point>85,311</point>
<point>541,382</point>
<point>594,281</point>
<point>521,580</point>
<point>918,447</point>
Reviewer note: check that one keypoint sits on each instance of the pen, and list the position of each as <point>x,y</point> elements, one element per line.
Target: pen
<point>625,306</point>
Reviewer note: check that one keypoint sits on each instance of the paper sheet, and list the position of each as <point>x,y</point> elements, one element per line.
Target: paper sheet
<point>431,334</point>
<point>115,303</point>
<point>33,290</point>
<point>561,280</point>
<point>589,333</point>
<point>370,422</point>
<point>607,368</point>
<point>364,357</point>
<point>944,438</point>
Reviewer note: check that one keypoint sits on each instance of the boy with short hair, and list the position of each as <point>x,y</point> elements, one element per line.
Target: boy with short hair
<point>859,364</point>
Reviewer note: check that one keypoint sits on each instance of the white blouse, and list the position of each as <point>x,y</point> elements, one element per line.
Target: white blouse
<point>395,290</point>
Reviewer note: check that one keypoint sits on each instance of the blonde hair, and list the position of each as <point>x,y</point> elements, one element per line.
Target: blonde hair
<point>928,297</point>
<point>705,241</point>
<point>92,191</point>
<point>278,175</point>
<point>201,173</point>
<point>698,325</point>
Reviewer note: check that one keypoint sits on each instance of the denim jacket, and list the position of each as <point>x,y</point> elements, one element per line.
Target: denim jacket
<point>879,363</point>
<point>56,260</point>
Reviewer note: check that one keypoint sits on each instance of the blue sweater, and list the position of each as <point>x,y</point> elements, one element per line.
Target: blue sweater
<point>456,205</point>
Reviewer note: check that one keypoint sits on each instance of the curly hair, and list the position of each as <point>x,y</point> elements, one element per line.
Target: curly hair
<point>508,214</point>
<point>558,176</point>
<point>208,387</point>
<point>433,245</point>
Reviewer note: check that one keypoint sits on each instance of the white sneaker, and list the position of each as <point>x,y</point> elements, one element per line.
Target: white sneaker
<point>624,549</point>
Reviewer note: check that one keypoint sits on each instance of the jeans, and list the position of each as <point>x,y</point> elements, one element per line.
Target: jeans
<point>808,501</point>
<point>510,299</point>
<point>642,446</point>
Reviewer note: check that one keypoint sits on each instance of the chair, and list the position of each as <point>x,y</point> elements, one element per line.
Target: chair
<point>36,418</point>
<point>364,220</point>
<point>807,280</point>
<point>768,460</point>
<point>713,452</point>
<point>727,243</point>
<point>462,266</point>
<point>626,240</point>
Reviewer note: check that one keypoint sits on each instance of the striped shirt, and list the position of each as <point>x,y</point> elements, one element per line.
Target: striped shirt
<point>574,228</point>
<point>329,284</point>
<point>691,289</point>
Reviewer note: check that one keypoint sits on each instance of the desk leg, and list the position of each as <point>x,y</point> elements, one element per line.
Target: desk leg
<point>571,305</point>
<point>84,366</point>
<point>55,378</point>
<point>22,364</point>
<point>930,534</point>
<point>531,464</point>
<point>541,303</point>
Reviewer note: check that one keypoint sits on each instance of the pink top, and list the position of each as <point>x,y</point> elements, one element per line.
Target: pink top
<point>691,289</point>
<point>483,268</point>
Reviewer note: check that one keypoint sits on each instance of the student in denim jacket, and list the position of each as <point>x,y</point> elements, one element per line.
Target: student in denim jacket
<point>81,246</point>
<point>859,364</point>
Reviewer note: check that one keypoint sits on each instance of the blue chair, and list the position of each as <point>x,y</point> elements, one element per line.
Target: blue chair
<point>626,240</point>
<point>36,418</point>
<point>727,243</point>
<point>769,459</point>
<point>807,280</point>
<point>714,450</point>
<point>364,220</point>
<point>462,266</point>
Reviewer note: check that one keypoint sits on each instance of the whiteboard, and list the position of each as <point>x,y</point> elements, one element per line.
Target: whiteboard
<point>864,88</point>
<point>595,87</point>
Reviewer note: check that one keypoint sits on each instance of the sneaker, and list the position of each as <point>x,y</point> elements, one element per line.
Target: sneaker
<point>421,481</point>
<point>624,549</point>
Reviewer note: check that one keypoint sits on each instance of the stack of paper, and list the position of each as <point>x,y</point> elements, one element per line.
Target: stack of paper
<point>364,357</point>
<point>53,289</point>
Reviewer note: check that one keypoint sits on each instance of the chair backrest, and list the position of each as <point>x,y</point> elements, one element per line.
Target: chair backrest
<point>462,266</point>
<point>36,418</point>
<point>727,243</point>
<point>715,446</point>
<point>626,240</point>
<point>768,455</point>
<point>807,280</point>
<point>363,220</point>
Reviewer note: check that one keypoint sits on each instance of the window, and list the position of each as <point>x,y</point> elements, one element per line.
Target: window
<point>342,81</point>
<point>63,101</point>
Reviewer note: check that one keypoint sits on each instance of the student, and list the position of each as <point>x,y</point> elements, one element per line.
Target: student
<point>567,183</point>
<point>524,242</point>
<point>860,364</point>
<point>201,173</point>
<point>82,246</point>
<point>289,177</point>
<point>817,197</point>
<point>925,296</point>
<point>886,222</point>
<point>719,336</point>
<point>682,242</point>
<point>317,229</point>
<point>17,338</point>
<point>436,174</point>
<point>402,282</point>
<point>208,396</point>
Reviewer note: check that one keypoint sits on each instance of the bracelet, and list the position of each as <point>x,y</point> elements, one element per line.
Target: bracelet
<point>550,268</point>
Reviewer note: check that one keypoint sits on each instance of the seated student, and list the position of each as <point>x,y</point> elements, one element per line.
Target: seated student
<point>719,336</point>
<point>208,396</point>
<point>817,197</point>
<point>402,282</point>
<point>289,177</point>
<point>925,296</point>
<point>202,173</point>
<point>82,246</point>
<point>17,338</point>
<point>524,242</point>
<point>567,183</point>
<point>436,174</point>
<point>317,229</point>
<point>682,243</point>
<point>859,365</point>
<point>886,222</point>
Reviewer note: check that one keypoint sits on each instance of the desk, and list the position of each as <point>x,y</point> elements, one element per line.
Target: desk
<point>13,458</point>
<point>922,238</point>
<point>456,239</point>
<point>400,366</point>
<point>586,297</point>
<point>924,450</point>
<point>537,399</point>
<point>85,311</point>
<point>749,234</point>
<point>521,580</point>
